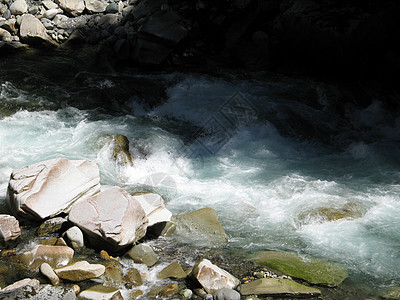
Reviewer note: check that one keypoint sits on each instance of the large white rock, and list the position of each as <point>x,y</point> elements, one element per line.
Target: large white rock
<point>154,207</point>
<point>19,7</point>
<point>112,219</point>
<point>9,230</point>
<point>73,7</point>
<point>50,187</point>
<point>212,278</point>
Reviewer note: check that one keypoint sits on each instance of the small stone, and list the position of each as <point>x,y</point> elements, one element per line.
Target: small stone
<point>227,294</point>
<point>101,292</point>
<point>7,14</point>
<point>74,236</point>
<point>7,253</point>
<point>208,297</point>
<point>133,278</point>
<point>21,283</point>
<point>186,293</point>
<point>112,8</point>
<point>104,255</point>
<point>51,226</point>
<point>76,288</point>
<point>200,292</point>
<point>170,290</point>
<point>135,294</point>
<point>19,7</point>
<point>49,4</point>
<point>143,254</point>
<point>80,270</point>
<point>51,13</point>
<point>48,271</point>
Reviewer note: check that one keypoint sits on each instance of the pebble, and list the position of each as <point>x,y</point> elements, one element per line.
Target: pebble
<point>186,293</point>
<point>48,271</point>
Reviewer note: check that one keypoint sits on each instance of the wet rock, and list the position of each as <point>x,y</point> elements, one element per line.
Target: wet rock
<point>201,226</point>
<point>113,273</point>
<point>96,6</point>
<point>227,294</point>
<point>327,214</point>
<point>50,187</point>
<point>55,256</point>
<point>73,7</point>
<point>19,7</point>
<point>74,237</point>
<point>186,293</point>
<point>48,271</point>
<point>154,207</point>
<point>213,278</point>
<point>120,150</point>
<point>133,278</point>
<point>170,290</point>
<point>9,231</point>
<point>277,286</point>
<point>21,283</point>
<point>112,219</point>
<point>80,270</point>
<point>174,270</point>
<point>101,292</point>
<point>51,226</point>
<point>43,291</point>
<point>312,270</point>
<point>143,254</point>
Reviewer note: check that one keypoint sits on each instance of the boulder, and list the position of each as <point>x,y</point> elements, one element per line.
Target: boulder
<point>73,7</point>
<point>143,254</point>
<point>96,6</point>
<point>80,270</point>
<point>278,286</point>
<point>21,283</point>
<point>50,187</point>
<point>39,292</point>
<point>32,31</point>
<point>154,207</point>
<point>201,227</point>
<point>101,292</point>
<point>173,270</point>
<point>51,226</point>
<point>55,256</point>
<point>48,271</point>
<point>312,270</point>
<point>9,230</point>
<point>19,7</point>
<point>112,219</point>
<point>212,278</point>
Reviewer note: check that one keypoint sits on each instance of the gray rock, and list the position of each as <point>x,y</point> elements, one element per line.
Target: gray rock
<point>40,292</point>
<point>74,237</point>
<point>145,7</point>
<point>112,219</point>
<point>50,187</point>
<point>227,294</point>
<point>143,254</point>
<point>19,7</point>
<point>7,14</point>
<point>33,10</point>
<point>96,6</point>
<point>108,21</point>
<point>51,226</point>
<point>73,7</point>
<point>213,278</point>
<point>80,270</point>
<point>277,286</point>
<point>9,229</point>
<point>101,292</point>
<point>49,4</point>
<point>48,271</point>
<point>112,8</point>
<point>51,13</point>
<point>48,24</point>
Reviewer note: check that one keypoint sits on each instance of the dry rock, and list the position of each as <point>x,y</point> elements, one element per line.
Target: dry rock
<point>9,230</point>
<point>80,270</point>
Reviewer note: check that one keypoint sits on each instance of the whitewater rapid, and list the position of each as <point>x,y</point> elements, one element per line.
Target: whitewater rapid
<point>237,146</point>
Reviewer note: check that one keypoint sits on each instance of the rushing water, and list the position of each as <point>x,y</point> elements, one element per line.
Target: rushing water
<point>282,174</point>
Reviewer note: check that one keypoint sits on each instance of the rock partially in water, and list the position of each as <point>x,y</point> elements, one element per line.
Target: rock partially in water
<point>101,292</point>
<point>170,289</point>
<point>173,270</point>
<point>9,231</point>
<point>80,270</point>
<point>113,274</point>
<point>51,226</point>
<point>143,254</point>
<point>74,238</point>
<point>48,271</point>
<point>212,277</point>
<point>120,150</point>
<point>133,278</point>
<point>310,269</point>
<point>154,207</point>
<point>50,187</point>
<point>40,292</point>
<point>21,283</point>
<point>55,256</point>
<point>328,214</point>
<point>112,219</point>
<point>201,226</point>
<point>277,286</point>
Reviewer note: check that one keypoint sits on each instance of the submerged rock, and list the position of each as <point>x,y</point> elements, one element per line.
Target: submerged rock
<point>55,256</point>
<point>50,187</point>
<point>201,226</point>
<point>312,270</point>
<point>173,270</point>
<point>9,231</point>
<point>277,286</point>
<point>143,254</point>
<point>212,278</point>
<point>80,270</point>
<point>112,219</point>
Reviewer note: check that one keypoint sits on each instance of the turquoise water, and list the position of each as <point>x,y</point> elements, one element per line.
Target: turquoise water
<point>282,175</point>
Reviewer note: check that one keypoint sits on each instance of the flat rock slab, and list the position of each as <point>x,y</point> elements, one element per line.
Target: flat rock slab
<point>48,188</point>
<point>312,270</point>
<point>112,219</point>
<point>39,292</point>
<point>277,286</point>
<point>80,270</point>
<point>21,283</point>
<point>101,292</point>
<point>201,227</point>
<point>212,278</point>
<point>9,230</point>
